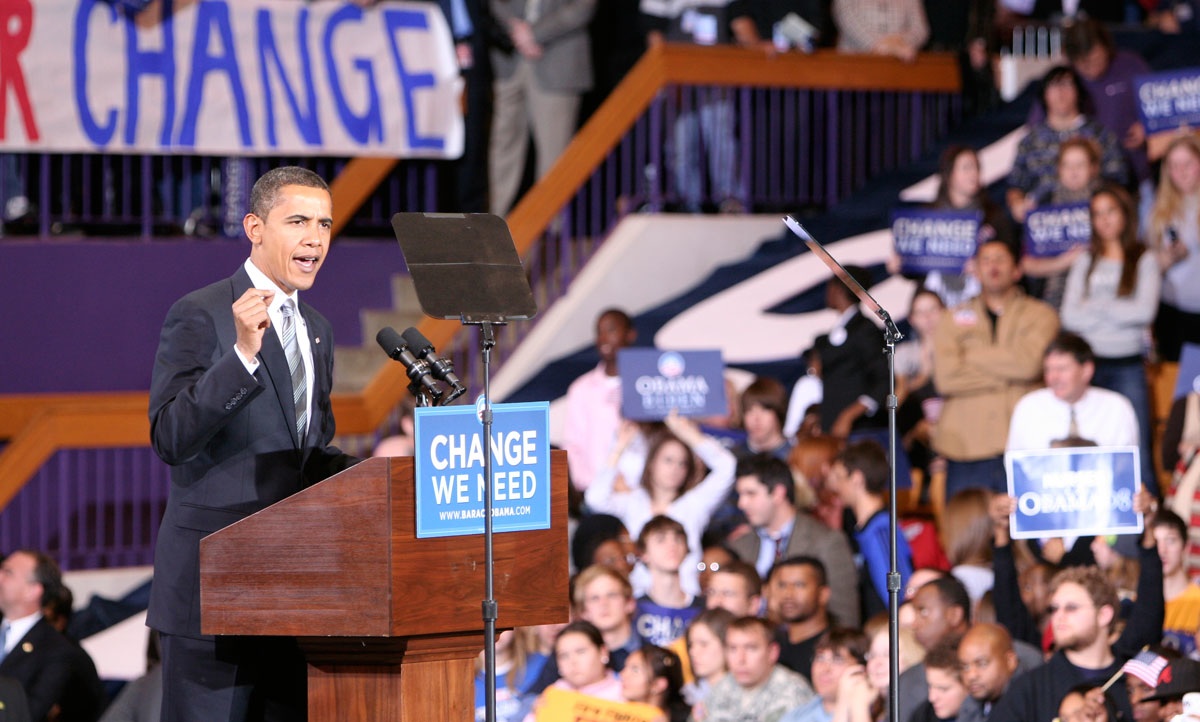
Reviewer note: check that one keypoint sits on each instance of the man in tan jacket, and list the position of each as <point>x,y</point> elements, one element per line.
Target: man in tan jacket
<point>987,355</point>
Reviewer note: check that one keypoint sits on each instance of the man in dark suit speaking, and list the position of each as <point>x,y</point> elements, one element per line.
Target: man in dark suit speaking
<point>239,407</point>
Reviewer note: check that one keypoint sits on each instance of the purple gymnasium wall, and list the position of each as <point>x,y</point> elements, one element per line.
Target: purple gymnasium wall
<point>84,315</point>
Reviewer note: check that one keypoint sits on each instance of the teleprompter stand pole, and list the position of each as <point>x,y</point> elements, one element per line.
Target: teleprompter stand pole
<point>891,336</point>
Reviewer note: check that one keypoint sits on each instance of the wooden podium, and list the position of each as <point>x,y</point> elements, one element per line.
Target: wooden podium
<point>390,624</point>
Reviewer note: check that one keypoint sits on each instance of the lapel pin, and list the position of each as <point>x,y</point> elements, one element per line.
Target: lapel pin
<point>316,339</point>
<point>27,648</point>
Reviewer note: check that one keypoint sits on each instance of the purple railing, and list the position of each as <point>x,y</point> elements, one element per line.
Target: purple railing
<point>90,508</point>
<point>160,196</point>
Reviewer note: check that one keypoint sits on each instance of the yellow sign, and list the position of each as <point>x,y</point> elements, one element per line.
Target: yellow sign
<point>561,705</point>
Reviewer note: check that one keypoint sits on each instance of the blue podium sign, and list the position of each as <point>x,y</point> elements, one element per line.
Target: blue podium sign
<point>935,240</point>
<point>449,469</point>
<point>1081,491</point>
<point>654,383</point>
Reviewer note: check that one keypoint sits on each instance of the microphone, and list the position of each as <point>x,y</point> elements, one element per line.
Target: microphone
<point>443,368</point>
<point>397,348</point>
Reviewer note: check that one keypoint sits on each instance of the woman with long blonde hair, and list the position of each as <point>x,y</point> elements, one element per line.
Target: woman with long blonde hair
<point>1174,234</point>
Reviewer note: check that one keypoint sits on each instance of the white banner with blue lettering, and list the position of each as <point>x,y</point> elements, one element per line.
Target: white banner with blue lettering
<point>219,77</point>
<point>448,465</point>
<point>1079,491</point>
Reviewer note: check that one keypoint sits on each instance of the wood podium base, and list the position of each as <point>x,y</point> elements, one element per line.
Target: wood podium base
<point>411,680</point>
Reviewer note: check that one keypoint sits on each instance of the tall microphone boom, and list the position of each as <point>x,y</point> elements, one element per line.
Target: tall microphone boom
<point>396,348</point>
<point>443,368</point>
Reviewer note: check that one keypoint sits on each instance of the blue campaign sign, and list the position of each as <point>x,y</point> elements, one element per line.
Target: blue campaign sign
<point>929,240</point>
<point>449,469</point>
<point>654,383</point>
<point>1167,101</point>
<point>1053,230</point>
<point>1082,491</point>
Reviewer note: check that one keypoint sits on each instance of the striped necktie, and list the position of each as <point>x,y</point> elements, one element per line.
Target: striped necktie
<point>781,543</point>
<point>291,347</point>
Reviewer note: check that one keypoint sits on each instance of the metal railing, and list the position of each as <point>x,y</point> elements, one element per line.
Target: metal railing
<point>157,197</point>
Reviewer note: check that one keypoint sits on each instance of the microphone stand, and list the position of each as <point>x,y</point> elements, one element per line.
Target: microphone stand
<point>891,335</point>
<point>487,341</point>
<point>422,397</point>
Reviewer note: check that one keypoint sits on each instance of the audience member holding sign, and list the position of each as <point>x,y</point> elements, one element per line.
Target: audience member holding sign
<point>582,661</point>
<point>669,485</point>
<point>960,189</point>
<point>1070,412</point>
<point>1083,614</point>
<point>1067,107</point>
<point>1057,228</point>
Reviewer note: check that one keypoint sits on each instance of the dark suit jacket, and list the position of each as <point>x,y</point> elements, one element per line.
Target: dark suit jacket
<point>53,670</point>
<point>229,436</point>
<point>14,707</point>
<point>856,367</point>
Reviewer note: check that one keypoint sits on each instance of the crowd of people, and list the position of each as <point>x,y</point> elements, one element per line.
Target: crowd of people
<point>727,578</point>
<point>766,533</point>
<point>740,568</point>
